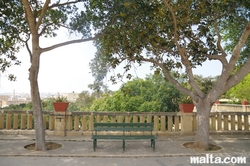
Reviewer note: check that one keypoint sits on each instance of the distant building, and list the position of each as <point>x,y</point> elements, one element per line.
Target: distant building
<point>72,96</point>
<point>4,97</point>
<point>5,100</point>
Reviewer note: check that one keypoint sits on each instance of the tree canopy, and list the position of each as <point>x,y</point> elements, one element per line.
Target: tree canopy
<point>20,21</point>
<point>172,36</point>
<point>9,33</point>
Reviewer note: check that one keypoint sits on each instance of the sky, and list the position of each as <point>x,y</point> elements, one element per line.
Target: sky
<point>66,69</point>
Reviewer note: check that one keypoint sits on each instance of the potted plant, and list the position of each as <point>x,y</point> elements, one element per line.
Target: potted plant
<point>186,104</point>
<point>60,104</point>
<point>244,102</point>
<point>217,102</point>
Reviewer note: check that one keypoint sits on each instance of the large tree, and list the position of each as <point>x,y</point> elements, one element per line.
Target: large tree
<point>23,24</point>
<point>177,36</point>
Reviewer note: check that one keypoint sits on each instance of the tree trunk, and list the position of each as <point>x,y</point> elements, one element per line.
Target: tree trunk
<point>202,135</point>
<point>36,101</point>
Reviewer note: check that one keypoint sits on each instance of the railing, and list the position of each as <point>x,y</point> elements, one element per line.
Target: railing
<point>84,121</point>
<point>230,108</point>
<point>229,121</point>
<point>164,122</point>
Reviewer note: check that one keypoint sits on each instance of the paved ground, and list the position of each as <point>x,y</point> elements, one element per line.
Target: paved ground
<point>79,150</point>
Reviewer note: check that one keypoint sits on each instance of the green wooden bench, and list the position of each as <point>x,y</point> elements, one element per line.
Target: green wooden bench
<point>125,131</point>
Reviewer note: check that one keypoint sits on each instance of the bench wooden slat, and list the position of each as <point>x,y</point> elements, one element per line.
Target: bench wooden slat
<point>107,137</point>
<point>139,137</point>
<point>122,129</point>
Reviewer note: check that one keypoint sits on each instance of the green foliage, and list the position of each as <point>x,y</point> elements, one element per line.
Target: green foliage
<point>240,91</point>
<point>151,106</point>
<point>85,100</point>
<point>204,83</point>
<point>47,104</point>
<point>60,99</point>
<point>99,68</point>
<point>73,107</point>
<point>153,94</point>
<point>232,29</point>
<point>186,99</point>
<point>19,107</point>
<point>9,33</point>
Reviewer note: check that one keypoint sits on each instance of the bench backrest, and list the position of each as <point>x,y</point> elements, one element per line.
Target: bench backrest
<point>123,126</point>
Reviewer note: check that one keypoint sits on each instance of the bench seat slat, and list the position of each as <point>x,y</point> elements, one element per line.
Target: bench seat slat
<point>123,137</point>
<point>140,137</point>
<point>123,129</point>
<point>107,137</point>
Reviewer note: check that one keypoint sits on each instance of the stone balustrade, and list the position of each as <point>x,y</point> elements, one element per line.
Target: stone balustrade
<point>81,123</point>
<point>230,108</point>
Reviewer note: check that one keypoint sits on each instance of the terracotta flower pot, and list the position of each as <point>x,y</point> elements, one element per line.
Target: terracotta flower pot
<point>61,106</point>
<point>244,102</point>
<point>186,108</point>
<point>217,102</point>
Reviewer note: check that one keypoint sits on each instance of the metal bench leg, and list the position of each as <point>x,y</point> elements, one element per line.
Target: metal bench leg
<point>123,145</point>
<point>153,144</point>
<point>94,144</point>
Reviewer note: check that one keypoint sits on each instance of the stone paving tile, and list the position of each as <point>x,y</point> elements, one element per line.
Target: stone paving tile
<point>83,147</point>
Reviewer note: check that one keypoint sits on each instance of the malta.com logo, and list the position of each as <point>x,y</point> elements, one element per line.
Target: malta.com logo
<point>210,159</point>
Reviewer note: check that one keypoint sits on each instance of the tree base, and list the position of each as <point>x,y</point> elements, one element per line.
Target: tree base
<point>211,147</point>
<point>49,146</point>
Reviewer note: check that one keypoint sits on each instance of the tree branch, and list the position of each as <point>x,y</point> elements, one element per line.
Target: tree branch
<point>222,59</point>
<point>71,42</point>
<point>170,78</point>
<point>176,36</point>
<point>244,70</point>
<point>239,45</point>
<point>62,4</point>
<point>44,29</point>
<point>183,53</point>
<point>43,11</point>
<point>29,16</point>
<point>29,51</point>
<point>225,82</point>
<point>219,40</point>
<point>238,76</point>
